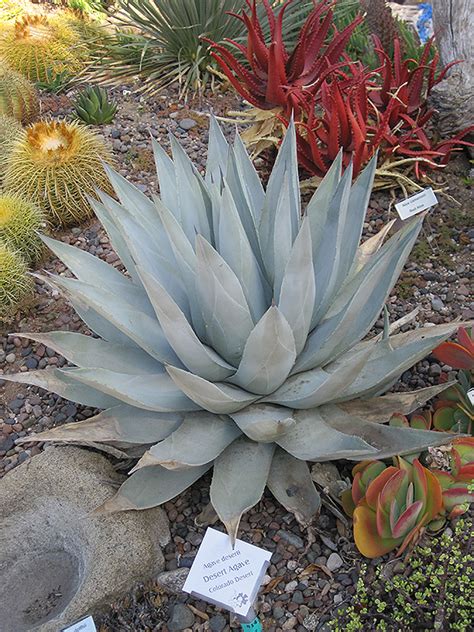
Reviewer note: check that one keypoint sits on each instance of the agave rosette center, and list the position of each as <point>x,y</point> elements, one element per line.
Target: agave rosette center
<point>236,341</point>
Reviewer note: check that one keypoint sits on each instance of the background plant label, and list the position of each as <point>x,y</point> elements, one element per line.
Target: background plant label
<point>416,203</point>
<point>225,576</point>
<point>84,625</point>
<point>470,395</point>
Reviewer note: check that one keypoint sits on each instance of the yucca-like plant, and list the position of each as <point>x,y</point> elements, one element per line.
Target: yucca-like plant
<point>236,341</point>
<point>20,222</point>
<point>55,165</point>
<point>18,96</point>
<point>163,41</point>
<point>35,43</point>
<point>92,106</point>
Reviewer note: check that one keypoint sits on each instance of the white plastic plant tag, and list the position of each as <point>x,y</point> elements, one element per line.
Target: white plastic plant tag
<point>416,203</point>
<point>225,576</point>
<point>470,395</point>
<point>84,625</point>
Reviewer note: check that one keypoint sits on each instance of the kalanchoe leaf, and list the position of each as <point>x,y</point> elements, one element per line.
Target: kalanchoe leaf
<point>209,350</point>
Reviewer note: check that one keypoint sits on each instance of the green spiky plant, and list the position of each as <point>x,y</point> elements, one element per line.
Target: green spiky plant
<point>56,82</point>
<point>15,285</point>
<point>236,341</point>
<point>18,97</point>
<point>55,165</point>
<point>20,222</point>
<point>10,129</point>
<point>92,106</point>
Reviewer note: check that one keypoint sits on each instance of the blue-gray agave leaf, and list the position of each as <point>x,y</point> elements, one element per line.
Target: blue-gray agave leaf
<point>237,337</point>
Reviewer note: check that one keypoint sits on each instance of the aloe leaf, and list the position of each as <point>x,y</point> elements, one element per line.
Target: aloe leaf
<point>297,292</point>
<point>329,256</point>
<point>150,392</point>
<point>196,357</point>
<point>60,381</point>
<point>143,329</point>
<point>239,479</point>
<point>85,351</point>
<point>178,451</point>
<point>392,357</point>
<point>290,482</point>
<point>235,248</point>
<point>380,409</point>
<point>217,153</point>
<point>268,355</point>
<point>150,487</point>
<point>193,210</point>
<point>386,440</point>
<point>219,398</point>
<point>120,425</point>
<point>223,303</point>
<point>313,439</point>
<point>264,422</point>
<point>318,386</point>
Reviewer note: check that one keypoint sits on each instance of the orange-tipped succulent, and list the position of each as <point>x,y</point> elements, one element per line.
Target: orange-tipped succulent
<point>398,503</point>
<point>456,483</point>
<point>460,354</point>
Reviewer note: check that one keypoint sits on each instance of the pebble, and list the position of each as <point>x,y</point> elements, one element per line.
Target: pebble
<point>217,623</point>
<point>334,562</point>
<point>181,618</point>
<point>437,304</point>
<point>187,123</point>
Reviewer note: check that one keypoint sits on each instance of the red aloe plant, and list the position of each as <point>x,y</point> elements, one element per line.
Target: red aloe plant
<point>343,118</point>
<point>411,81</point>
<point>275,77</point>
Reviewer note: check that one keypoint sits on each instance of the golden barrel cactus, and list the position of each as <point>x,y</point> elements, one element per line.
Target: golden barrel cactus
<point>20,222</point>
<point>10,128</point>
<point>36,43</point>
<point>15,285</point>
<point>18,96</point>
<point>56,165</point>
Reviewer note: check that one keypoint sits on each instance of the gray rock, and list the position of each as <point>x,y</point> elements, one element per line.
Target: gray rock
<point>187,123</point>
<point>334,562</point>
<point>173,581</point>
<point>181,618</point>
<point>217,623</point>
<point>59,561</point>
<point>437,304</point>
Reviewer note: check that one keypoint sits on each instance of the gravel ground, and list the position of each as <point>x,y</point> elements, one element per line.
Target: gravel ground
<point>312,573</point>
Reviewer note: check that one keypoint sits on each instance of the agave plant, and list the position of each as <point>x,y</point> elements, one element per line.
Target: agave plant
<point>93,107</point>
<point>236,341</point>
<point>396,505</point>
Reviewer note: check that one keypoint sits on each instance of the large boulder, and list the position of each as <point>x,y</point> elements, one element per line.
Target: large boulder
<point>59,561</point>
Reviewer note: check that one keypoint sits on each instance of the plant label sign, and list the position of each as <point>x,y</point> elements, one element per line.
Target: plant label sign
<point>225,576</point>
<point>470,395</point>
<point>84,625</point>
<point>416,203</point>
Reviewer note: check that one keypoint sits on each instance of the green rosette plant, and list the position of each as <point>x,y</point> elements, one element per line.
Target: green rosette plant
<point>237,339</point>
<point>93,107</point>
